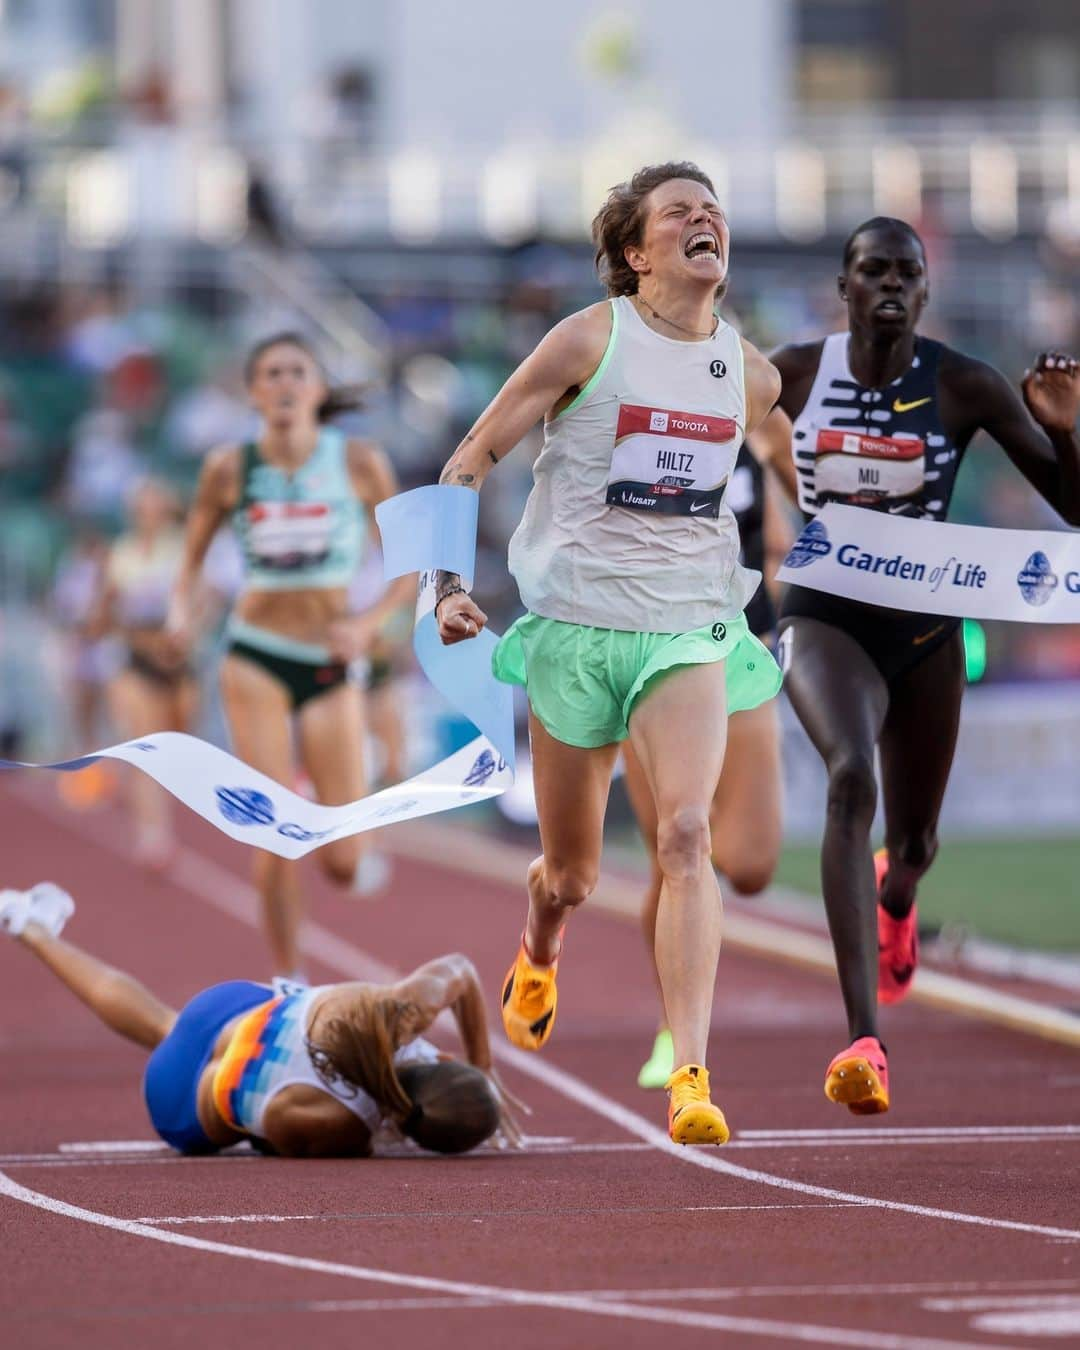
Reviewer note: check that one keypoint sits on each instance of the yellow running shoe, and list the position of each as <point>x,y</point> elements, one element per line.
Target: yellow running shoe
<point>656,1070</point>
<point>692,1118</point>
<point>528,1001</point>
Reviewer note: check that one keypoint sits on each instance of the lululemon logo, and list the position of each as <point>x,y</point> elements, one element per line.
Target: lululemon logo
<point>718,369</point>
<point>719,632</point>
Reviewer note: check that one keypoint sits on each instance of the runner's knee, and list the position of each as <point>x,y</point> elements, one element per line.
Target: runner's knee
<point>682,841</point>
<point>339,861</point>
<point>568,885</point>
<point>915,851</point>
<point>852,788</point>
<point>750,877</point>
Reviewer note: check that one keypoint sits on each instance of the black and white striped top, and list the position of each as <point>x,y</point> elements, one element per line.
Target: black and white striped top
<point>883,449</point>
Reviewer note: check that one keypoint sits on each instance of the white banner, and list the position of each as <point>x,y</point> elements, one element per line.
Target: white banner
<point>431,527</point>
<point>929,567</point>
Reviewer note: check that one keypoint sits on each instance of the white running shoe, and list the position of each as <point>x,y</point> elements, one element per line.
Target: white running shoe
<point>44,903</point>
<point>373,873</point>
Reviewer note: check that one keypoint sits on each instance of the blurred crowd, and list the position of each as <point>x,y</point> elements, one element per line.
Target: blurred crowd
<point>100,391</point>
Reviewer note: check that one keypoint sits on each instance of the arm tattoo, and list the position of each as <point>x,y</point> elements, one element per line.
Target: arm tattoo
<point>493,457</point>
<point>453,475</point>
<point>446,583</point>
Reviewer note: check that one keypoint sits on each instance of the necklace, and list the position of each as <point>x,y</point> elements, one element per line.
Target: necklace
<point>694,332</point>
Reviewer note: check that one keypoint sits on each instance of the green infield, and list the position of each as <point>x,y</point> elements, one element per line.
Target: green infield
<point>1025,892</point>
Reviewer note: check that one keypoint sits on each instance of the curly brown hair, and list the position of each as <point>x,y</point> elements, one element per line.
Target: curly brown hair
<point>620,222</point>
<point>446,1107</point>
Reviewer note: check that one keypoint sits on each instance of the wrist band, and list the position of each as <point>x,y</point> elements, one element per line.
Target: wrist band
<point>452,590</point>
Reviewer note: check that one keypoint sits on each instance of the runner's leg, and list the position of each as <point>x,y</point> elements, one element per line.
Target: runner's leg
<point>917,745</point>
<point>678,729</point>
<point>139,707</point>
<point>841,699</point>
<point>644,808</point>
<point>259,713</point>
<point>119,1000</point>
<point>571,786</point>
<point>330,731</point>
<point>745,820</point>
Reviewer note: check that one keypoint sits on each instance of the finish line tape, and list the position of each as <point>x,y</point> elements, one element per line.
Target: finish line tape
<point>927,567</point>
<point>429,528</point>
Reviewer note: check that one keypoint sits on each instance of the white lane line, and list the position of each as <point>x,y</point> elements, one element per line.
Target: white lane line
<point>871,1291</point>
<point>138,1152</point>
<point>904,1131</point>
<point>115,1146</point>
<point>425,1215</point>
<point>560,1302</point>
<point>849,1138</point>
<point>225,891</point>
<point>986,1303</point>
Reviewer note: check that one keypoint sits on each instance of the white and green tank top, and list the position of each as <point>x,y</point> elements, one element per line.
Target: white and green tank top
<point>627,525</point>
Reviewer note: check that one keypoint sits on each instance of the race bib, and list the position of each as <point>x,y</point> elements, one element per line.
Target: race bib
<point>286,535</point>
<point>670,463</point>
<point>873,471</point>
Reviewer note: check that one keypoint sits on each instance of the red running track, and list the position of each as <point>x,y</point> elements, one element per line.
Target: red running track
<point>811,1227</point>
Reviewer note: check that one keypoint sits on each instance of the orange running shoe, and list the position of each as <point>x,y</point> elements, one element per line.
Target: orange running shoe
<point>897,940</point>
<point>528,1001</point>
<point>858,1077</point>
<point>691,1117</point>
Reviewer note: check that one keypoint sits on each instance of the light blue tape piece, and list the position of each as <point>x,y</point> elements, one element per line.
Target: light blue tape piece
<point>462,674</point>
<point>435,527</point>
<point>429,527</point>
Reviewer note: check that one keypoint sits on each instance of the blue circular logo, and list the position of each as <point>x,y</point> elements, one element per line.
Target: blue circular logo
<point>1036,579</point>
<point>245,806</point>
<point>812,544</point>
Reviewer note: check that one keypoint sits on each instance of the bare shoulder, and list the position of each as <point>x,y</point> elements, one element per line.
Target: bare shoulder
<point>578,341</point>
<point>362,454</point>
<point>796,359</point>
<point>220,476</point>
<point>966,376</point>
<point>761,373</point>
<point>798,364</point>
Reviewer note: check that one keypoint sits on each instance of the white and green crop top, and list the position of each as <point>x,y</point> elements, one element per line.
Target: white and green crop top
<point>300,530</point>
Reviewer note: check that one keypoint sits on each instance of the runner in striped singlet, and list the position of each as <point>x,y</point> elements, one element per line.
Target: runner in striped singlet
<point>881,418</point>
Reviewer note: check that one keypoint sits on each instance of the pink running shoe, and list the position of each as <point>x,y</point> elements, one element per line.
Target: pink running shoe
<point>858,1077</point>
<point>897,941</point>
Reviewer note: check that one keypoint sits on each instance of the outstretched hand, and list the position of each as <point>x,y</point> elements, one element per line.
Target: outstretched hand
<point>1052,391</point>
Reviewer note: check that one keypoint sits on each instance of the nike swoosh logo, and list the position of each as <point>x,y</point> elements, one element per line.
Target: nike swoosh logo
<point>698,506</point>
<point>907,407</point>
<point>925,637</point>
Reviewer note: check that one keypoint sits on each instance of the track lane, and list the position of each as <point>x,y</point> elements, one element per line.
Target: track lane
<point>597,1041</point>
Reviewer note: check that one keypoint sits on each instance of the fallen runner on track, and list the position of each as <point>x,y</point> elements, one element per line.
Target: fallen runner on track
<point>300,1072</point>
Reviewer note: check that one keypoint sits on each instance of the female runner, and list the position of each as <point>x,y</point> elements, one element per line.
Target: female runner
<point>860,676</point>
<point>156,689</point>
<point>745,818</point>
<point>301,498</point>
<point>305,1073</point>
<point>627,560</point>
